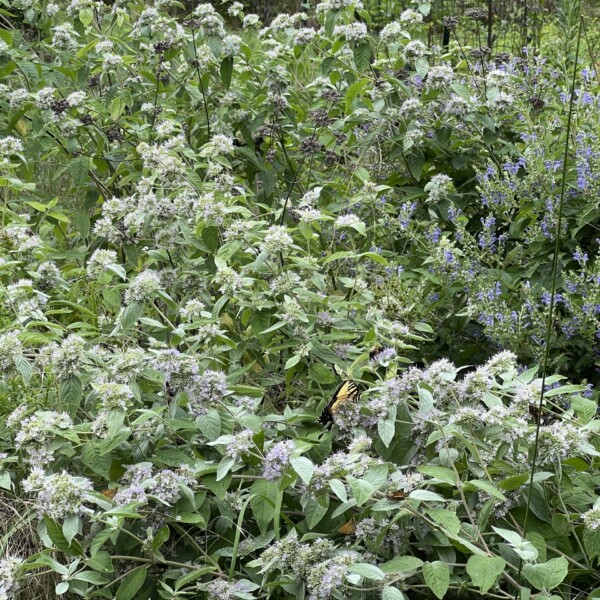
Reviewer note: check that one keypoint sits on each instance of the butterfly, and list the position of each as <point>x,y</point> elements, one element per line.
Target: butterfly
<point>347,391</point>
<point>396,495</point>
<point>109,493</point>
<point>545,418</point>
<point>348,528</point>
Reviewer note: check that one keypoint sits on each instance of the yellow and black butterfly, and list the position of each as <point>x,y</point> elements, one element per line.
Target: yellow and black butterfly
<point>347,391</point>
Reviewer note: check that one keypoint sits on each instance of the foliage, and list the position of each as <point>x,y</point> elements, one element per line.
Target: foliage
<point>240,216</point>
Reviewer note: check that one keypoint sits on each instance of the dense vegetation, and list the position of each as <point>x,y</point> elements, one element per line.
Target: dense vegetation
<point>208,221</point>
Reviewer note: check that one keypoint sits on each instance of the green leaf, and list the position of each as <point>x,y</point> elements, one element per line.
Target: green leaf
<point>117,106</point>
<point>367,571</point>
<point>210,236</point>
<point>386,430</point>
<point>6,36</point>
<point>61,588</point>
<point>210,424</point>
<point>71,393</point>
<point>361,490</point>
<point>79,167</point>
<point>193,518</point>
<point>132,583</point>
<point>375,258</point>
<point>445,518</point>
<point>548,575</point>
<point>70,527</point>
<point>512,483</point>
<point>54,531</point>
<point>415,162</point>
<point>160,537</point>
<point>5,481</point>
<point>131,314</point>
<point>421,66</point>
<point>362,56</point>
<point>98,461</point>
<point>262,503</point>
<point>486,486</point>
<point>426,496</point>
<point>183,581</point>
<point>353,91</point>
<point>86,16</point>
<point>402,564</point>
<point>591,541</point>
<point>437,577</point>
<point>441,473</point>
<point>215,44</point>
<point>118,270</point>
<point>292,362</point>
<point>565,389</point>
<point>485,570</point>
<point>304,467</point>
<point>585,409</point>
<point>99,541</point>
<point>331,18</point>
<point>22,365</point>
<point>392,593</point>
<point>339,489</point>
<point>315,510</point>
<point>90,577</point>
<point>524,548</point>
<point>224,467</point>
<point>226,71</point>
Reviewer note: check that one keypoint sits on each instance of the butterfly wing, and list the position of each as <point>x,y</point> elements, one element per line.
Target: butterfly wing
<point>347,391</point>
<point>348,528</point>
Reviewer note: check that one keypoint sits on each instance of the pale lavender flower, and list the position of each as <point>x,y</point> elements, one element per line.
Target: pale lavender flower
<point>165,486</point>
<point>131,494</point>
<point>9,567</point>
<point>58,495</point>
<point>241,444</point>
<point>205,390</point>
<point>277,459</point>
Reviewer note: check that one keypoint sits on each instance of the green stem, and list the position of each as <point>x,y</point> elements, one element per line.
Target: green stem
<point>554,273</point>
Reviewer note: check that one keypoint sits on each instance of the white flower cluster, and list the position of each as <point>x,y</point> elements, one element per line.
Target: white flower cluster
<point>276,240</point>
<point>415,49</point>
<point>10,348</point>
<point>34,433</point>
<point>439,77</point>
<point>411,17</point>
<point>100,261</point>
<point>59,495</point>
<point>338,5</point>
<point>9,568</point>
<point>9,146</point>
<point>439,187</point>
<point>304,36</point>
<point>26,300</point>
<point>352,32</point>
<point>237,8</point>
<point>65,359</point>
<point>45,97</point>
<point>143,287</point>
<point>63,38</point>
<point>162,160</point>
<point>349,220</point>
<point>219,145</point>
<point>192,309</point>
